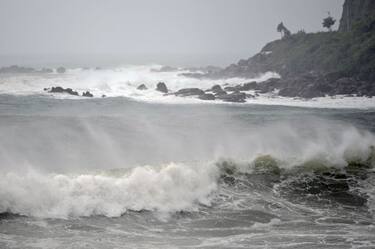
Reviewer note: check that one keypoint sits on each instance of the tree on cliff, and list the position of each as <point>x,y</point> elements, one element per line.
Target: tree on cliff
<point>283,30</point>
<point>328,22</point>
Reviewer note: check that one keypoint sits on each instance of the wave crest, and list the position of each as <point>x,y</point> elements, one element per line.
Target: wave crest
<point>171,188</point>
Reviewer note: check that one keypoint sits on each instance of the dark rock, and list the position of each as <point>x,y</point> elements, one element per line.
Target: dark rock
<point>61,70</point>
<point>238,97</point>
<point>311,92</point>
<point>233,88</point>
<point>87,94</point>
<point>71,92</point>
<point>267,86</point>
<point>161,87</point>
<point>142,87</point>
<point>249,86</point>
<point>189,92</point>
<point>216,89</point>
<point>221,93</point>
<point>354,11</point>
<point>207,96</point>
<point>345,85</point>
<point>59,89</point>
<point>304,86</point>
<point>288,92</point>
<point>103,96</point>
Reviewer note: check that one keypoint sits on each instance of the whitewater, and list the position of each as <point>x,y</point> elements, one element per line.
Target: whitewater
<point>123,81</point>
<point>137,169</point>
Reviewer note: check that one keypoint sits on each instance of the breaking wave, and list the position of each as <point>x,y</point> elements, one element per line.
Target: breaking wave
<point>171,188</point>
<point>179,187</point>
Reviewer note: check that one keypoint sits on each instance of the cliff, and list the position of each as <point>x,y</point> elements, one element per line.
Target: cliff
<point>336,54</point>
<point>354,11</point>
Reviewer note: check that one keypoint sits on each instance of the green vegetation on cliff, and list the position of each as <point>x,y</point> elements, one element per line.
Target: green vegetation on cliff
<point>349,52</point>
<point>337,53</point>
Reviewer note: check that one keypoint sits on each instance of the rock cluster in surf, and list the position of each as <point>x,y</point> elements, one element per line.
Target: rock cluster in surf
<point>59,89</point>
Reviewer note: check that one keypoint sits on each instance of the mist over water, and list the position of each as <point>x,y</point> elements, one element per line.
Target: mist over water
<point>96,153</point>
<point>63,158</point>
<point>65,135</point>
<point>137,167</point>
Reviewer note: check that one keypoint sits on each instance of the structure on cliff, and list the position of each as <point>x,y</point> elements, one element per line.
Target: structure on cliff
<point>355,10</point>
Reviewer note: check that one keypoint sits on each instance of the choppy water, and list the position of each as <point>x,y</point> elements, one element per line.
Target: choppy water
<point>120,173</point>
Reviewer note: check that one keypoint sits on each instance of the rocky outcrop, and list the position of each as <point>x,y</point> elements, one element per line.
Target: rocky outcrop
<point>59,89</point>
<point>87,94</point>
<point>237,97</point>
<point>217,90</point>
<point>312,86</point>
<point>161,87</point>
<point>354,11</point>
<point>314,64</point>
<point>207,96</point>
<point>189,92</point>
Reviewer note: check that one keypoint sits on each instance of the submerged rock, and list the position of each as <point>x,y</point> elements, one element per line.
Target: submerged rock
<point>161,87</point>
<point>142,87</point>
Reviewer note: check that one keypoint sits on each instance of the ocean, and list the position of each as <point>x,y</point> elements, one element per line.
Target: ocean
<point>137,169</point>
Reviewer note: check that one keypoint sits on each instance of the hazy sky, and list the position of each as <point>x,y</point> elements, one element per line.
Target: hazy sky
<point>193,31</point>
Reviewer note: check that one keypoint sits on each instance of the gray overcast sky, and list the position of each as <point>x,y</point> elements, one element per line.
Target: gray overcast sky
<point>215,31</point>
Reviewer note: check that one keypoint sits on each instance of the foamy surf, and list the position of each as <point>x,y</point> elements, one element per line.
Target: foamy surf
<point>123,82</point>
<point>117,173</point>
<point>171,188</point>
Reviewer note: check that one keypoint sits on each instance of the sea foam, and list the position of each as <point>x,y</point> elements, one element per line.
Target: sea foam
<point>171,188</point>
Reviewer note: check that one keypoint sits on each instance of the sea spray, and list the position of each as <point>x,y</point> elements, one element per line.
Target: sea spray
<point>170,188</point>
